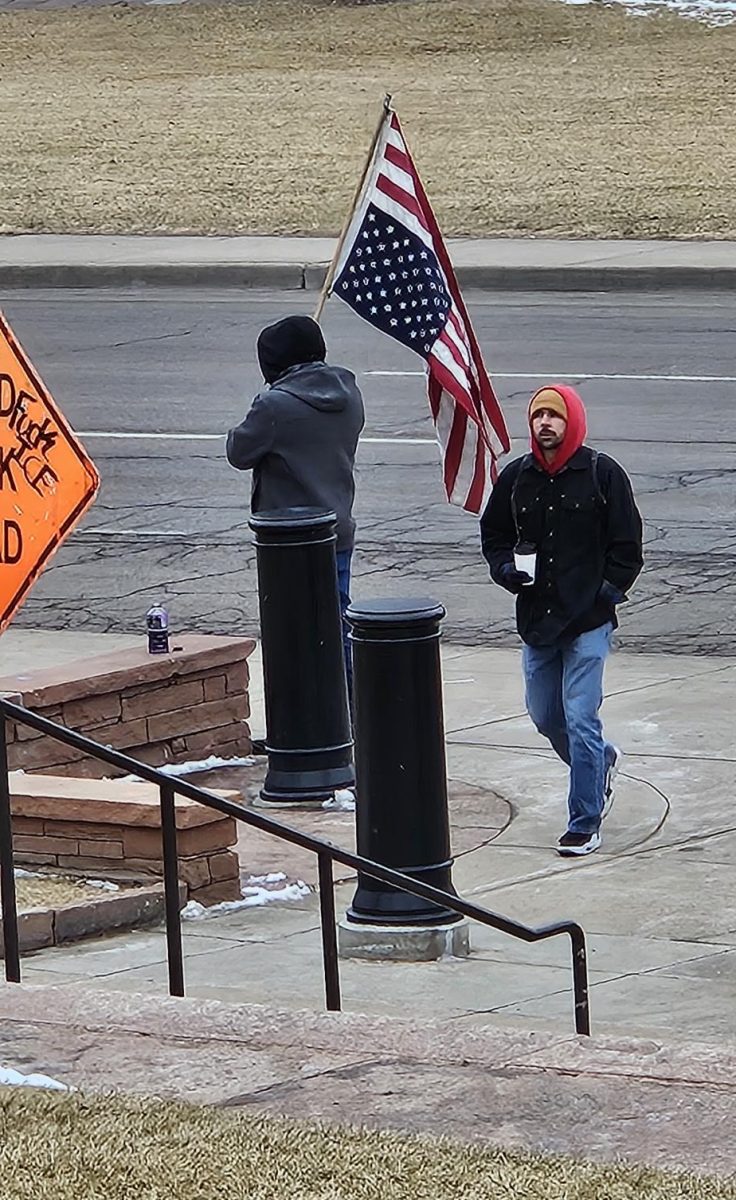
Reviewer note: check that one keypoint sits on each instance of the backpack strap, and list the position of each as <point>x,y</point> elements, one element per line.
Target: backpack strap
<point>523,464</point>
<point>596,479</point>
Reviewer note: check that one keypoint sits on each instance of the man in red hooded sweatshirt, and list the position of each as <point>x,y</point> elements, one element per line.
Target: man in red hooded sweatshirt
<point>568,515</point>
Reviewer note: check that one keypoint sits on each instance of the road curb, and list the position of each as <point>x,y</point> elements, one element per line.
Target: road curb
<point>280,276</point>
<point>310,276</point>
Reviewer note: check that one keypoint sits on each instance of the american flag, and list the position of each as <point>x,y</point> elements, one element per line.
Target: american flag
<point>395,272</point>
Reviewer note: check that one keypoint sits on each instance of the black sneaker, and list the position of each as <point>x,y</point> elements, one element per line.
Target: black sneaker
<point>609,782</point>
<point>578,844</point>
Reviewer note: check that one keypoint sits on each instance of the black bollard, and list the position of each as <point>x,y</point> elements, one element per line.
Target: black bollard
<point>402,817</point>
<point>308,732</point>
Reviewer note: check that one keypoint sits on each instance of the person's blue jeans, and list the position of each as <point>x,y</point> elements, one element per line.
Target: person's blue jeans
<point>344,559</point>
<point>564,692</point>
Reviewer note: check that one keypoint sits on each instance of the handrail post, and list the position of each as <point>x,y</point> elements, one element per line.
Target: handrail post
<point>329,932</point>
<point>171,890</point>
<point>580,982</point>
<point>7,867</point>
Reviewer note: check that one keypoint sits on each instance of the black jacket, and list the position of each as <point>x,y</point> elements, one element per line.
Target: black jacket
<point>300,438</point>
<point>587,532</point>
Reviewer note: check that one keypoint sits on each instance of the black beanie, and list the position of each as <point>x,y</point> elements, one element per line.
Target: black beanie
<point>289,342</point>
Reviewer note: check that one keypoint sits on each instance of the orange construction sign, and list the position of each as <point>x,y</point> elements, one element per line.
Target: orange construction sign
<point>46,480</point>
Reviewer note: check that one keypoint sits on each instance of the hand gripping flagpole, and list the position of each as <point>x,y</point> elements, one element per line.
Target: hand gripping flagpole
<point>330,276</point>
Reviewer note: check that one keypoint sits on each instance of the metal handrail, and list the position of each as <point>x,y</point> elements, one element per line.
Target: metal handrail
<point>327,853</point>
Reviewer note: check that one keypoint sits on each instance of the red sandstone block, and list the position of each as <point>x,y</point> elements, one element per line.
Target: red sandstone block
<point>143,843</point>
<point>45,845</point>
<point>164,699</point>
<point>122,734</point>
<point>89,830</point>
<point>202,839</point>
<point>27,859</point>
<point>46,753</point>
<point>40,753</point>
<point>124,669</point>
<point>202,716</point>
<point>87,862</point>
<point>215,893</point>
<point>234,737</point>
<point>24,733</point>
<point>225,748</point>
<point>237,677</point>
<point>195,872</point>
<point>99,849</point>
<point>86,768</point>
<point>225,865</point>
<point>137,868</point>
<point>111,802</point>
<point>215,687</point>
<point>31,825</point>
<point>91,710</point>
<point>153,755</point>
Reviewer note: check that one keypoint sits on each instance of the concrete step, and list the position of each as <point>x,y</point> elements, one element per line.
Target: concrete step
<point>112,828</point>
<point>589,1097</point>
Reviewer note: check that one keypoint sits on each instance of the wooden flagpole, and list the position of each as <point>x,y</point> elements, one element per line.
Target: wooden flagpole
<point>330,276</point>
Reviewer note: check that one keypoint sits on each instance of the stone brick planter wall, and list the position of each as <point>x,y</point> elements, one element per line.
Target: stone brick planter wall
<point>187,704</point>
<point>112,828</point>
<point>128,909</point>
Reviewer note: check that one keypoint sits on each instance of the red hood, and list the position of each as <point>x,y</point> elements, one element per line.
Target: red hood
<point>574,433</point>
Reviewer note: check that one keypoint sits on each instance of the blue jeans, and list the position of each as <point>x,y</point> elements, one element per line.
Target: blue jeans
<point>564,691</point>
<point>344,558</point>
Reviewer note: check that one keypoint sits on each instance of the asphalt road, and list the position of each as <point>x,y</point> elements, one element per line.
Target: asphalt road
<point>154,379</point>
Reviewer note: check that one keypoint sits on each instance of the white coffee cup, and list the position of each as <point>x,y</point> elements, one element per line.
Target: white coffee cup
<point>525,559</point>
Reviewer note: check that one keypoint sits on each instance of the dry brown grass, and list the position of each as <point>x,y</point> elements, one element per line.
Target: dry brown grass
<point>80,1148</point>
<point>52,892</point>
<point>524,115</point>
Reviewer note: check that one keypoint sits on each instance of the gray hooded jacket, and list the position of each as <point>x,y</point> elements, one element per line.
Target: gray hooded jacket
<point>300,438</point>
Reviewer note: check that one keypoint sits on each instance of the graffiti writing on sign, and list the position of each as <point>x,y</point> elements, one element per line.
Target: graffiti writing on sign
<point>46,479</point>
<point>26,443</point>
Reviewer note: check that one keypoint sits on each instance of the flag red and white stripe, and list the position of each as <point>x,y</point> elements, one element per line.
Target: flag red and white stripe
<point>470,426</point>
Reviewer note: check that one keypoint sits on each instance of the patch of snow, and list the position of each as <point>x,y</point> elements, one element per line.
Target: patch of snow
<point>713,12</point>
<point>104,885</point>
<point>213,763</point>
<point>21,873</point>
<point>342,801</point>
<point>11,1078</point>
<point>254,894</point>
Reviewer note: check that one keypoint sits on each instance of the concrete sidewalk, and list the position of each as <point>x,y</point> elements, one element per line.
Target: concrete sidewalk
<point>46,260</point>
<point>481,1048</point>
<point>657,902</point>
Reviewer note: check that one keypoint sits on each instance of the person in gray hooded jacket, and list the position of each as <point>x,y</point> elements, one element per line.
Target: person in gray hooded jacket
<point>301,433</point>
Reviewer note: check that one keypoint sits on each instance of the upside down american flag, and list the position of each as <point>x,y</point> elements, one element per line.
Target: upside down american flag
<point>394,270</point>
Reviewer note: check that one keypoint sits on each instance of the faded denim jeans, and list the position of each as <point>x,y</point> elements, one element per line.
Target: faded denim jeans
<point>564,693</point>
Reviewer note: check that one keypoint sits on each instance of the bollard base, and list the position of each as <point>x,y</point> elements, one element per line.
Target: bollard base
<point>266,801</point>
<point>403,943</point>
